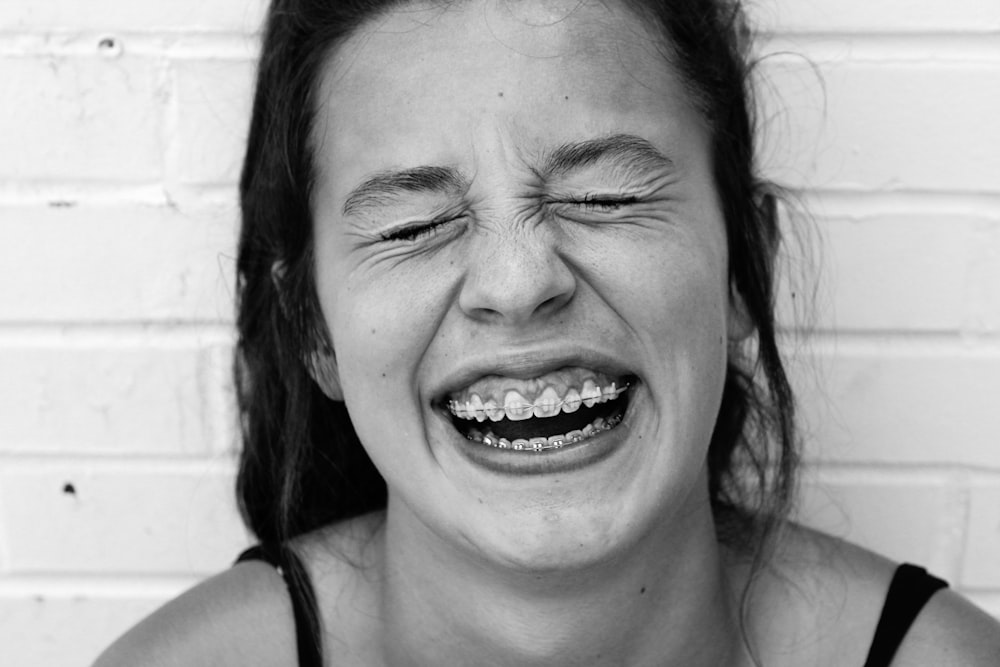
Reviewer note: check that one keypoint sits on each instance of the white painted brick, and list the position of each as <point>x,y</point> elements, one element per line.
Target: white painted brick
<point>149,15</point>
<point>103,397</point>
<point>981,564</point>
<point>900,272</point>
<point>917,520</point>
<point>42,631</point>
<point>121,519</point>
<point>899,126</point>
<point>893,402</point>
<point>80,119</point>
<point>984,279</point>
<point>878,15</point>
<point>116,263</point>
<point>213,107</point>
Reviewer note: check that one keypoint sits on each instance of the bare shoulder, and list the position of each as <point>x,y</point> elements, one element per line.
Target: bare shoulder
<point>950,630</point>
<point>819,599</point>
<point>830,593</point>
<point>242,616</point>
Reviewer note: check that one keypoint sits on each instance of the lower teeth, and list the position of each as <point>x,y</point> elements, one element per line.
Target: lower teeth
<point>553,442</point>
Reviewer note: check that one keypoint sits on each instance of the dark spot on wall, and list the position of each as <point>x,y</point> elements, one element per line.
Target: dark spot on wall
<point>69,489</point>
<point>566,97</point>
<point>642,591</point>
<point>109,47</point>
<point>500,94</point>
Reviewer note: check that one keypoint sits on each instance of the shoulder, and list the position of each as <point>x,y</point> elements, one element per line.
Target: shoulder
<point>830,593</point>
<point>818,598</point>
<point>242,616</point>
<point>950,630</point>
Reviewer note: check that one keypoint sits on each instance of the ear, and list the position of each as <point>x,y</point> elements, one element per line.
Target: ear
<point>322,367</point>
<point>321,364</point>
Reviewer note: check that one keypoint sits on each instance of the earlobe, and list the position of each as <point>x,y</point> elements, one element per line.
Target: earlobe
<point>321,364</point>
<point>322,367</point>
<point>739,324</point>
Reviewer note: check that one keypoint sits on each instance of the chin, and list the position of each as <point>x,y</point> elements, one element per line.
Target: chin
<point>550,540</point>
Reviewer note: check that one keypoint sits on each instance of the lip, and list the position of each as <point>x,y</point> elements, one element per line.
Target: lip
<point>565,459</point>
<point>525,365</point>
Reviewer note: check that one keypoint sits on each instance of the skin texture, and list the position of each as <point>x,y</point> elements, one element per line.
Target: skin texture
<point>520,272</point>
<point>513,268</point>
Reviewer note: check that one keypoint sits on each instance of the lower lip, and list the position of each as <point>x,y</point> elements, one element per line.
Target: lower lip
<point>549,461</point>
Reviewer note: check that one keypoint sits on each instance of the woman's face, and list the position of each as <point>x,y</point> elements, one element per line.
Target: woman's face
<point>515,219</point>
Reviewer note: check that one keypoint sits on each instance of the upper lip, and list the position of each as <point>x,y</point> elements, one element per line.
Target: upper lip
<point>527,364</point>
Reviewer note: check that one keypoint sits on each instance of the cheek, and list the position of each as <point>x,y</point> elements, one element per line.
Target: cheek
<point>674,290</point>
<point>381,323</point>
<point>676,298</point>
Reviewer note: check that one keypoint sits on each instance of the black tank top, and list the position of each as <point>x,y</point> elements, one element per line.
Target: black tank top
<point>909,591</point>
<point>288,565</point>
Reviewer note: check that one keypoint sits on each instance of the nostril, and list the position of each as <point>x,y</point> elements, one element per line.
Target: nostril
<point>515,302</point>
<point>554,303</point>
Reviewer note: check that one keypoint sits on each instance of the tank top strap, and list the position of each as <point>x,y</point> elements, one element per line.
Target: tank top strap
<point>302,597</point>
<point>909,591</point>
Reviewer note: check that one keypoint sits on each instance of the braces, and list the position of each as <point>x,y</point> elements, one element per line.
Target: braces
<point>453,406</point>
<point>552,442</point>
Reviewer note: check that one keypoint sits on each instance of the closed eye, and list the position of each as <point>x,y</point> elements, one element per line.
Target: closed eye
<point>604,203</point>
<point>415,231</point>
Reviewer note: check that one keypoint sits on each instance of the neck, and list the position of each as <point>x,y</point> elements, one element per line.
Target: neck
<point>667,601</point>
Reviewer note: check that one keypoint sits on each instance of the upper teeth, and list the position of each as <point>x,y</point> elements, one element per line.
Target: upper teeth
<point>548,403</point>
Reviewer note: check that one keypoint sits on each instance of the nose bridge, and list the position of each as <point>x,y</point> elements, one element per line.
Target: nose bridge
<point>515,273</point>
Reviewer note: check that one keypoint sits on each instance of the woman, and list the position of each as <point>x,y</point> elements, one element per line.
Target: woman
<point>507,365</point>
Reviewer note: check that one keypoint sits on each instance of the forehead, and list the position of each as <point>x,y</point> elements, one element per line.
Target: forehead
<point>434,83</point>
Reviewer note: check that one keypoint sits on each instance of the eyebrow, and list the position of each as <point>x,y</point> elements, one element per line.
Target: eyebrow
<point>626,153</point>
<point>383,186</point>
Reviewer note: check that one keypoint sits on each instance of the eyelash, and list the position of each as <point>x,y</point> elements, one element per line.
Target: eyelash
<point>604,204</point>
<point>590,203</point>
<point>413,232</point>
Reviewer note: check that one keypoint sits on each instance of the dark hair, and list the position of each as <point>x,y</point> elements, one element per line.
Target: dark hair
<point>302,465</point>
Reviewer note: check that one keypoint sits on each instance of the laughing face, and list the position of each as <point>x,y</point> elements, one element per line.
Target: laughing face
<point>522,263</point>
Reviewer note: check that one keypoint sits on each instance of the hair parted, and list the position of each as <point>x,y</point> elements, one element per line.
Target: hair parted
<point>302,465</point>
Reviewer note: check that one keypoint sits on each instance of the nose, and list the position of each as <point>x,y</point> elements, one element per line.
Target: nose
<point>515,277</point>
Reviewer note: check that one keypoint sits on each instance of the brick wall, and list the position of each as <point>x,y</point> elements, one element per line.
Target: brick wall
<point>120,139</point>
<point>890,132</point>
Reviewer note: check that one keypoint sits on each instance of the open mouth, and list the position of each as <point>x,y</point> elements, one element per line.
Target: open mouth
<point>543,414</point>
